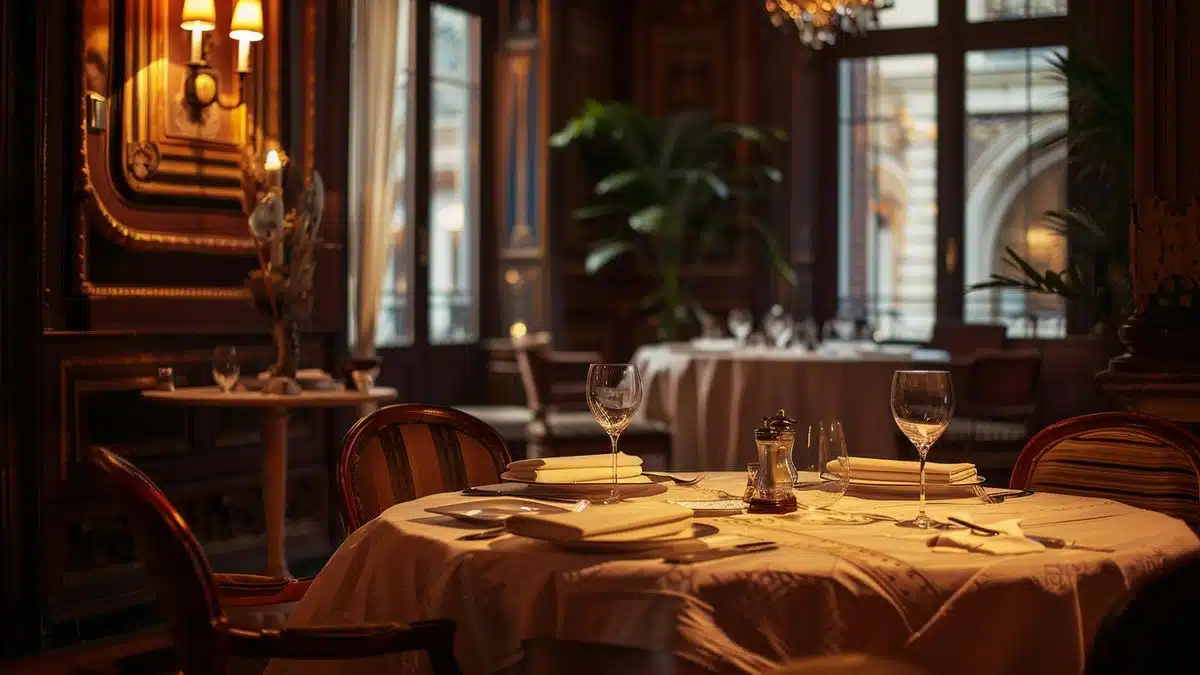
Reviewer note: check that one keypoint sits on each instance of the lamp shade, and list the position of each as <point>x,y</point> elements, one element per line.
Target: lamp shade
<point>198,15</point>
<point>247,23</point>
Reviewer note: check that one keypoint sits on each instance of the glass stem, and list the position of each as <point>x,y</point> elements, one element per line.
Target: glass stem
<point>922,452</point>
<point>614,438</point>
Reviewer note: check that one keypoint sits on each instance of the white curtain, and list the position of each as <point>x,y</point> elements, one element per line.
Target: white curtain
<point>372,175</point>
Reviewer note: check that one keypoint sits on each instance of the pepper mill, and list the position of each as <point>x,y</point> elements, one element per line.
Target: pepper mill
<point>776,473</point>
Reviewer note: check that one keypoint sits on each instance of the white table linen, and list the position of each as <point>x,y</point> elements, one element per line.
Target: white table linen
<point>712,400</point>
<point>853,581</point>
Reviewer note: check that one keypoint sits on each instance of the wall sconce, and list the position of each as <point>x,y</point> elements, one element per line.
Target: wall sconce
<point>199,17</point>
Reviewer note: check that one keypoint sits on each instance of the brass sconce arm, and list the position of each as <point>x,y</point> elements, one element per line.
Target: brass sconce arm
<point>199,17</point>
<point>200,90</point>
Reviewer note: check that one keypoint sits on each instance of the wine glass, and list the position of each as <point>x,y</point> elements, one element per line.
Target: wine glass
<point>922,405</point>
<point>822,466</point>
<point>741,322</point>
<point>225,369</point>
<point>614,392</point>
<point>784,330</point>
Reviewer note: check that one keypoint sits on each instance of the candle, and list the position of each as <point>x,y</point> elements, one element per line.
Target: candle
<point>273,165</point>
<point>197,40</point>
<point>243,62</point>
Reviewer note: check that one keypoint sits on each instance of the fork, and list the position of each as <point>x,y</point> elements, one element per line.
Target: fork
<point>502,530</point>
<point>676,479</point>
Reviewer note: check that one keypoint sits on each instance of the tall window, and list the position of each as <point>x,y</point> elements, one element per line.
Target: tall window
<point>942,163</point>
<point>430,287</point>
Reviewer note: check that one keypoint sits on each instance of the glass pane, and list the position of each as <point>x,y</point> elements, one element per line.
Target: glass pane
<point>1007,10</point>
<point>909,14</point>
<point>1015,104</point>
<point>887,234</point>
<point>454,204</point>
<point>393,318</point>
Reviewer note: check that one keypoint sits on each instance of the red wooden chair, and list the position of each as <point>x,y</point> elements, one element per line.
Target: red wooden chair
<point>401,452</point>
<point>1141,460</point>
<point>191,599</point>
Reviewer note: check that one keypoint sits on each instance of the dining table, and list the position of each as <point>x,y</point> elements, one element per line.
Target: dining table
<point>712,394</point>
<point>845,578</point>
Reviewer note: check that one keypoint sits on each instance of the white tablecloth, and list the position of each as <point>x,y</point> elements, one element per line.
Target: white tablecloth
<point>854,584</point>
<point>713,399</point>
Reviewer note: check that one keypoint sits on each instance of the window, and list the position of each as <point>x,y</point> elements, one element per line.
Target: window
<point>429,290</point>
<point>927,204</point>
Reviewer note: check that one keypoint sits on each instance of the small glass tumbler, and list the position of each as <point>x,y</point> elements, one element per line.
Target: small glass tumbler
<point>751,481</point>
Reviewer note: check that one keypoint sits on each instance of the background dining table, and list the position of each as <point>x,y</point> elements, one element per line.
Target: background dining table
<point>847,580</point>
<point>712,398</point>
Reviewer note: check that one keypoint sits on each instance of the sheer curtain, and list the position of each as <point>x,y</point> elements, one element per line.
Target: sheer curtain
<point>372,174</point>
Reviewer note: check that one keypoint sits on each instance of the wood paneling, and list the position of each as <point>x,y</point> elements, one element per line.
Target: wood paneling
<point>102,286</point>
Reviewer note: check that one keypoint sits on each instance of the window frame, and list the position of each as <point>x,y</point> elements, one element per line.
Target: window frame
<point>951,39</point>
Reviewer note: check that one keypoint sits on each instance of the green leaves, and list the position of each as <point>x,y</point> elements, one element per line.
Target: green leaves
<point>605,252</point>
<point>1068,283</point>
<point>649,220</point>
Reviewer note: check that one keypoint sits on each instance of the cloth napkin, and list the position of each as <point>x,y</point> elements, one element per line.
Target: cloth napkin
<point>626,474</point>
<point>871,468</point>
<point>575,462</point>
<point>1012,542</point>
<point>630,520</point>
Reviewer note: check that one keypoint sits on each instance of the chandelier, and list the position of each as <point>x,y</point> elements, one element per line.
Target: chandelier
<point>821,21</point>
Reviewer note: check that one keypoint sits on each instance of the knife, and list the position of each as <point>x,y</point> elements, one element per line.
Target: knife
<point>719,553</point>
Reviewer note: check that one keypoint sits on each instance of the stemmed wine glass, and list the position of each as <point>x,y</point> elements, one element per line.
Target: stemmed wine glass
<point>922,405</point>
<point>741,322</point>
<point>225,369</point>
<point>614,392</point>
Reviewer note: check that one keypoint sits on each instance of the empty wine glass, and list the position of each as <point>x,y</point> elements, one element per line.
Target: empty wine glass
<point>614,392</point>
<point>922,405</point>
<point>740,322</point>
<point>822,466</point>
<point>225,369</point>
<point>783,328</point>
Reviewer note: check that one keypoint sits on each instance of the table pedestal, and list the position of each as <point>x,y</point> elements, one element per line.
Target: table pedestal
<point>275,465</point>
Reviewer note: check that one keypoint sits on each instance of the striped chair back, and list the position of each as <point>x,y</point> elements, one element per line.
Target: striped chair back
<point>401,452</point>
<point>1143,461</point>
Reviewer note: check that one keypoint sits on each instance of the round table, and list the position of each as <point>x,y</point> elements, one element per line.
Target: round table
<point>850,581</point>
<point>275,409</point>
<point>712,399</point>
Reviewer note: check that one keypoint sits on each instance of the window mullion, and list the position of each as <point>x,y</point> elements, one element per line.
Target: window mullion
<point>951,158</point>
<point>420,166</point>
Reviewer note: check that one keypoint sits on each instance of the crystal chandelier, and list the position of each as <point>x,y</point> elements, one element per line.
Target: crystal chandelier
<point>821,21</point>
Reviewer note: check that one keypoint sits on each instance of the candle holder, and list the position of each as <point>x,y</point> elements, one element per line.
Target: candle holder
<point>201,89</point>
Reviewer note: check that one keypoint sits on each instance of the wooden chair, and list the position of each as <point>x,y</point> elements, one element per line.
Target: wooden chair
<point>191,599</point>
<point>996,399</point>
<point>401,452</point>
<point>555,391</point>
<point>847,664</point>
<point>1141,460</point>
<point>1153,631</point>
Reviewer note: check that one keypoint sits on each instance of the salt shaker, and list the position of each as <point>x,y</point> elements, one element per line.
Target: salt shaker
<point>776,472</point>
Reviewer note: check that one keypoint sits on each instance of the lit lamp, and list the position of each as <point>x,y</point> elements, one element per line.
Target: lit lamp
<point>199,16</point>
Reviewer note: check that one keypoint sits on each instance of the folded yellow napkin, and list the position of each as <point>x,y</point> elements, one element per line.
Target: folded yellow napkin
<point>574,475</point>
<point>1012,542</point>
<point>651,519</point>
<point>871,468</point>
<point>575,462</point>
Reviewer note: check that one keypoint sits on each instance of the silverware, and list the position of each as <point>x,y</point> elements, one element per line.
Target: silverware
<point>502,530</point>
<point>999,497</point>
<point>721,553</point>
<point>676,479</point>
<point>1048,542</point>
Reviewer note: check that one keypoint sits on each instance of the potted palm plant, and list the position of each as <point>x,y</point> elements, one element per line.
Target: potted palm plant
<point>679,191</point>
<point>1100,140</point>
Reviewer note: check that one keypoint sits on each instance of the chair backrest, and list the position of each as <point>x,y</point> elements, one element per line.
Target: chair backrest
<point>402,452</point>
<point>1004,382</point>
<point>1154,630</point>
<point>847,664</point>
<point>1141,460</point>
<point>179,572</point>
<point>964,339</point>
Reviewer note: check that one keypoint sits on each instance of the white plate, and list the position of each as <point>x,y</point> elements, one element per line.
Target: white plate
<point>492,511</point>
<point>591,491</point>
<point>969,482</point>
<point>617,545</point>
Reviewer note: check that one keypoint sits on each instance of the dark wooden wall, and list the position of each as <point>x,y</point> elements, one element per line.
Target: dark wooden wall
<point>94,302</point>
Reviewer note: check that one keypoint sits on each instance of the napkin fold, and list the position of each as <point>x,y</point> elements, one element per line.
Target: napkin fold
<point>871,468</point>
<point>1012,542</point>
<point>583,475</point>
<point>638,520</point>
<point>575,462</point>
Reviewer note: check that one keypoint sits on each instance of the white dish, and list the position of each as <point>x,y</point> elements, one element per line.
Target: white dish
<point>968,482</point>
<point>619,544</point>
<point>591,491</point>
<point>492,511</point>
